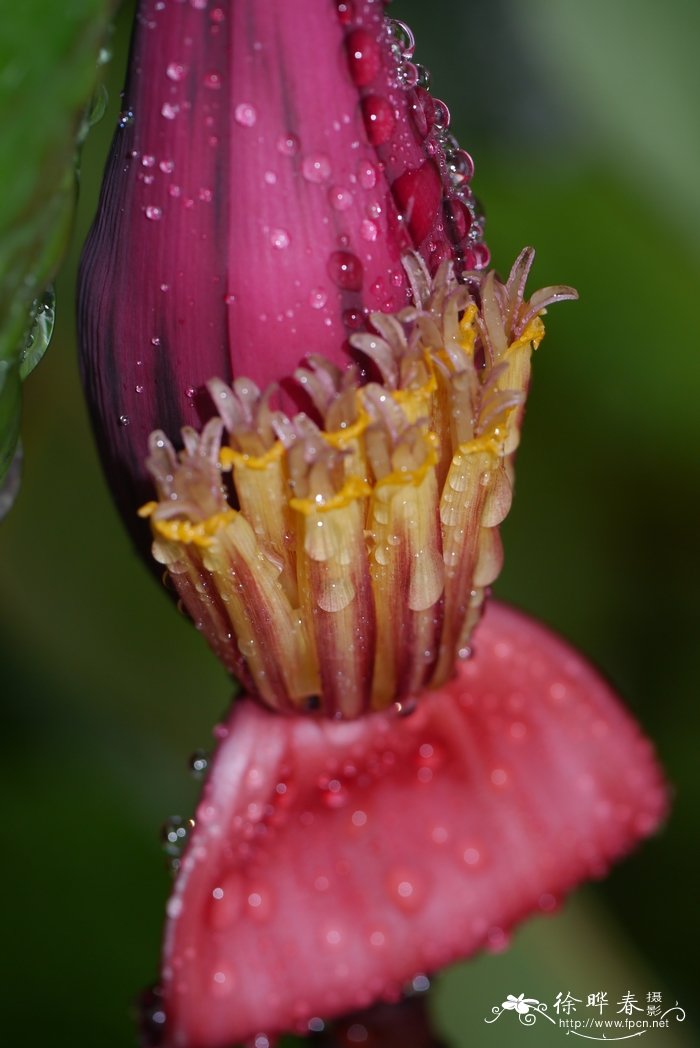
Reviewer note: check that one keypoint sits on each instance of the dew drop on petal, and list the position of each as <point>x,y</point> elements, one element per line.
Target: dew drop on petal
<point>340,198</point>
<point>169,111</point>
<point>317,298</point>
<point>345,270</point>
<point>212,81</point>
<point>368,230</point>
<point>153,213</point>
<point>279,238</point>
<point>176,71</point>
<point>316,167</point>
<point>288,145</point>
<point>364,56</point>
<point>379,119</point>
<point>367,175</point>
<point>245,114</point>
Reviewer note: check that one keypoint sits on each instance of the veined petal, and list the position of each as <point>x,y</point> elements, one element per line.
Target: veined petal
<point>331,862</point>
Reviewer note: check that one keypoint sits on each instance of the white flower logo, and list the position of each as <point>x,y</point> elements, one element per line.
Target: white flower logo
<point>520,1004</point>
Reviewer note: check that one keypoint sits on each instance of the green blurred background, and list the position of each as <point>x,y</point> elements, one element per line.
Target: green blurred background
<point>582,118</point>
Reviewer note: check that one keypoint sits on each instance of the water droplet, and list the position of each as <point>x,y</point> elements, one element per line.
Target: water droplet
<point>153,213</point>
<point>174,834</point>
<point>126,118</point>
<point>270,178</point>
<point>418,194</point>
<point>167,166</point>
<point>340,198</point>
<point>367,175</point>
<point>213,81</point>
<point>409,75</point>
<point>151,1017</point>
<point>368,230</point>
<point>346,11</point>
<point>316,167</point>
<point>405,889</point>
<point>359,818</point>
<point>345,269</point>
<point>354,319</point>
<point>279,238</point>
<point>139,389</point>
<point>316,1025</point>
<point>176,71</point>
<point>124,420</point>
<point>364,56</point>
<point>460,166</point>
<point>288,145</point>
<point>457,217</point>
<point>471,856</point>
<point>245,114</point>
<point>420,983</point>
<point>198,763</point>
<point>169,111</point>
<point>441,114</point>
<point>379,118</point>
<point>317,298</point>
<point>222,981</point>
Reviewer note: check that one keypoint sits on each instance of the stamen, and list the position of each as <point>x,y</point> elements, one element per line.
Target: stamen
<point>355,562</point>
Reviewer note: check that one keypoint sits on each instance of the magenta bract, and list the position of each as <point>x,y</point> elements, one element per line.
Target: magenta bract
<point>272,164</point>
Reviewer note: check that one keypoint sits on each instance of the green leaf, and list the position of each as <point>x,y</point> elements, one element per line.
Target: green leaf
<point>49,56</point>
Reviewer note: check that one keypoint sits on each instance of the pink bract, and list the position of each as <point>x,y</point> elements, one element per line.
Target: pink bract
<point>332,862</point>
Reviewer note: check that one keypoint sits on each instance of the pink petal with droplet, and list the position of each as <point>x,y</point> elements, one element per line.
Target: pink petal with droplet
<point>331,862</point>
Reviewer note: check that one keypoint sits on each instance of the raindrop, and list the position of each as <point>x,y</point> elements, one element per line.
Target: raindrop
<point>166,166</point>
<point>340,198</point>
<point>152,1017</point>
<point>176,71</point>
<point>345,269</point>
<point>316,1025</point>
<point>169,111</point>
<point>402,36</point>
<point>213,81</point>
<point>288,145</point>
<point>346,11</point>
<point>279,238</point>
<point>126,118</point>
<point>139,389</point>
<point>174,834</point>
<point>408,74</point>
<point>367,175</point>
<point>441,114</point>
<point>317,298</point>
<point>199,762</point>
<point>379,118</point>
<point>123,420</point>
<point>153,213</point>
<point>368,230</point>
<point>364,56</point>
<point>420,984</point>
<point>245,114</point>
<point>316,168</point>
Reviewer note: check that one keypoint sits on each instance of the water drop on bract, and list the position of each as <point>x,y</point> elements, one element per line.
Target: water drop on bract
<point>126,118</point>
<point>44,314</point>
<point>198,763</point>
<point>174,834</point>
<point>151,1017</point>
